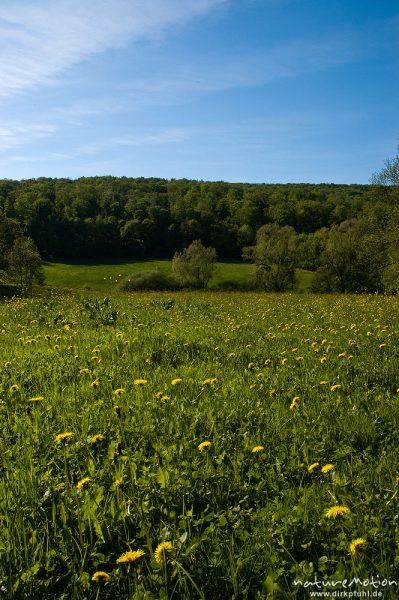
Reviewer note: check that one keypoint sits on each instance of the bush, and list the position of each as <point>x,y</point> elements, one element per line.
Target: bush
<point>148,280</point>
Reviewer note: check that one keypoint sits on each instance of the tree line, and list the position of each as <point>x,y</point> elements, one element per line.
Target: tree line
<point>347,234</point>
<point>133,218</point>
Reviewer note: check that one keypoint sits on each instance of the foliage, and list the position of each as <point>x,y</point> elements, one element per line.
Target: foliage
<point>24,264</point>
<point>123,217</point>
<point>353,259</point>
<point>148,280</point>
<point>195,266</point>
<point>275,257</point>
<point>128,475</point>
<point>389,175</point>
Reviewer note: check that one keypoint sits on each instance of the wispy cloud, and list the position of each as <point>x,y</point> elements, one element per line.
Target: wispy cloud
<point>292,59</point>
<point>41,39</point>
<point>153,138</point>
<point>17,134</point>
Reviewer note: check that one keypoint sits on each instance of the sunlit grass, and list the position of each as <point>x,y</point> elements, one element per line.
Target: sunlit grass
<point>223,445</point>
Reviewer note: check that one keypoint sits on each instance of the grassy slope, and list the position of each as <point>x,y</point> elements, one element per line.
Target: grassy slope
<point>104,277</point>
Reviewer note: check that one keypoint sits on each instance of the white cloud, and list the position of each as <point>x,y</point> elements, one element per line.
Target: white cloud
<point>43,38</point>
<point>17,134</point>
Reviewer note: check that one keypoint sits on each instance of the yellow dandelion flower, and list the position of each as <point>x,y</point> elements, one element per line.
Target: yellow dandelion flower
<point>129,557</point>
<point>140,381</point>
<point>341,355</point>
<point>101,577</point>
<point>7,364</point>
<point>159,395</point>
<point>260,376</point>
<point>313,467</point>
<point>252,386</point>
<point>36,399</point>
<point>209,381</point>
<point>323,382</point>
<point>165,398</point>
<point>84,371</point>
<point>356,545</point>
<point>61,437</point>
<point>251,366</point>
<point>14,388</point>
<point>82,483</point>
<point>256,449</point>
<point>118,483</point>
<point>284,361</point>
<point>176,381</point>
<point>382,346</point>
<point>337,511</point>
<point>327,468</point>
<point>162,550</point>
<point>323,360</point>
<point>96,438</point>
<point>231,355</point>
<point>95,384</point>
<point>335,387</point>
<point>204,445</point>
<point>119,391</point>
<point>294,403</point>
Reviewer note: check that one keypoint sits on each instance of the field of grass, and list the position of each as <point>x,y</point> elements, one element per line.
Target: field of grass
<point>196,445</point>
<point>105,277</point>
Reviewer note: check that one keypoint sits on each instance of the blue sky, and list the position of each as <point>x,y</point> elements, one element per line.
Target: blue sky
<point>234,90</point>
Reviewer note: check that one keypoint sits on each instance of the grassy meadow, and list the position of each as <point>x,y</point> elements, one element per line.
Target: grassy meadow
<point>196,445</point>
<point>106,276</point>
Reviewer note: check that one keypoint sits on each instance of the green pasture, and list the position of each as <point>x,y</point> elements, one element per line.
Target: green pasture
<point>105,277</point>
<point>197,445</point>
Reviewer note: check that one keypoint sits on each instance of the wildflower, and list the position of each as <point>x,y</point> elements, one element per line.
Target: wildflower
<point>61,437</point>
<point>117,410</point>
<point>337,511</point>
<point>159,395</point>
<point>118,483</point>
<point>259,376</point>
<point>335,387</point>
<point>203,445</point>
<point>251,366</point>
<point>327,468</point>
<point>36,399</point>
<point>7,364</point>
<point>209,381</point>
<point>323,382</point>
<point>129,557</point>
<point>164,398</point>
<point>176,381</point>
<point>84,371</point>
<point>231,355</point>
<point>323,360</point>
<point>161,550</point>
<point>96,438</point>
<point>95,384</point>
<point>101,577</point>
<point>356,545</point>
<point>140,381</point>
<point>252,386</point>
<point>382,346</point>
<point>119,391</point>
<point>284,361</point>
<point>14,388</point>
<point>257,449</point>
<point>119,334</point>
<point>294,403</point>
<point>313,467</point>
<point>82,483</point>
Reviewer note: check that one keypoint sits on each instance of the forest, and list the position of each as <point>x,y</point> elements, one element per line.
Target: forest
<point>133,218</point>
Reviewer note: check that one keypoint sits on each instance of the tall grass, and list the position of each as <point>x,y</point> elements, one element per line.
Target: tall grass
<point>301,379</point>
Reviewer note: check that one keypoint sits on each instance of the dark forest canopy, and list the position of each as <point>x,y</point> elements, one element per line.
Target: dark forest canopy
<point>121,217</point>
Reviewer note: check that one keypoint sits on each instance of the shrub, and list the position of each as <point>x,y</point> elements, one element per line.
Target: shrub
<point>148,280</point>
